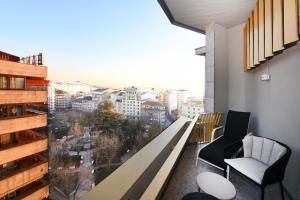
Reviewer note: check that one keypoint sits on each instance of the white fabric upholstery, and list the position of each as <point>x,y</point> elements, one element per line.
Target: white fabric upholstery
<point>277,152</point>
<point>259,154</point>
<point>267,150</point>
<point>250,167</point>
<point>262,149</point>
<point>247,146</point>
<point>257,147</point>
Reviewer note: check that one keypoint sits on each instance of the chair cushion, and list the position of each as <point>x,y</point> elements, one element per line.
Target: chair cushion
<point>277,152</point>
<point>257,147</point>
<point>266,150</point>
<point>262,149</point>
<point>250,167</point>
<point>214,152</point>
<point>247,146</point>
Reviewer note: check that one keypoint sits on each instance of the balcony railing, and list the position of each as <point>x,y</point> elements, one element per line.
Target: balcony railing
<point>22,96</point>
<point>26,144</point>
<point>36,190</point>
<point>145,174</point>
<point>20,69</point>
<point>32,119</point>
<point>25,172</point>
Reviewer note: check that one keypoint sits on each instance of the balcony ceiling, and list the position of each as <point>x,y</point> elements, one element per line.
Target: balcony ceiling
<point>196,14</point>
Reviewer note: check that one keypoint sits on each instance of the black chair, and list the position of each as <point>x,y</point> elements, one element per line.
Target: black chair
<point>198,196</point>
<point>236,128</point>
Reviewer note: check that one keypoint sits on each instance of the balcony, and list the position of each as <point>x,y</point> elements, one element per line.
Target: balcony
<point>19,69</point>
<point>22,173</point>
<point>36,190</point>
<point>165,169</point>
<point>26,143</point>
<point>23,96</point>
<point>32,119</point>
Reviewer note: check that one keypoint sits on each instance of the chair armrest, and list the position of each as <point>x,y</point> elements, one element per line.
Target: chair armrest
<point>214,131</point>
<point>275,172</point>
<point>232,149</point>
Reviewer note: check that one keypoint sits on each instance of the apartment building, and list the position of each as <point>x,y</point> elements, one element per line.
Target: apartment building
<point>22,168</point>
<point>191,108</point>
<point>63,99</point>
<point>129,103</point>
<point>153,112</point>
<point>85,104</point>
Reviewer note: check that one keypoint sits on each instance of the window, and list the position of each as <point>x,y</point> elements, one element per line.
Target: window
<point>3,82</point>
<point>3,111</point>
<point>17,83</point>
<point>15,110</point>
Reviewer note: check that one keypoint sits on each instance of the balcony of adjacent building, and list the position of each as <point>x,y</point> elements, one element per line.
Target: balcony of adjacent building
<point>19,117</point>
<point>18,89</point>
<point>21,144</point>
<point>22,176</point>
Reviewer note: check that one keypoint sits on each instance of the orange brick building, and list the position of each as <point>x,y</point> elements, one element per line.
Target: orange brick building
<point>23,90</point>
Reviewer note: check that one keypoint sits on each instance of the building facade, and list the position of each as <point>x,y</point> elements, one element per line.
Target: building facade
<point>63,99</point>
<point>153,113</point>
<point>128,103</point>
<point>191,109</point>
<point>22,168</point>
<point>86,104</point>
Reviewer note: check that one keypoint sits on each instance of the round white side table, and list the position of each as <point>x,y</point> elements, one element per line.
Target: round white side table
<point>216,185</point>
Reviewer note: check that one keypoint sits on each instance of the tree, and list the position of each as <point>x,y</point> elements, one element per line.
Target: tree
<point>107,149</point>
<point>106,119</point>
<point>154,131</point>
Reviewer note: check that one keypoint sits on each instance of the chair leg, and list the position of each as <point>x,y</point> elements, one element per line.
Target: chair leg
<point>262,192</point>
<point>225,173</point>
<point>281,188</point>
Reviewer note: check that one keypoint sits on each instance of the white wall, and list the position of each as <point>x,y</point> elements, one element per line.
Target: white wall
<point>274,104</point>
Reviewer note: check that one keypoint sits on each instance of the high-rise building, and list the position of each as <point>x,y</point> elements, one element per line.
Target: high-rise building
<point>22,91</point>
<point>129,103</point>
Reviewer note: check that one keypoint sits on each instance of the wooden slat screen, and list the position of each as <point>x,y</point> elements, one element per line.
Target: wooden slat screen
<point>268,29</point>
<point>245,48</point>
<point>277,26</point>
<point>272,26</point>
<point>255,35</point>
<point>251,42</point>
<point>261,30</point>
<point>290,21</point>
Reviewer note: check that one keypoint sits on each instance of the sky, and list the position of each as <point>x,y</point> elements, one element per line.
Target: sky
<point>105,43</point>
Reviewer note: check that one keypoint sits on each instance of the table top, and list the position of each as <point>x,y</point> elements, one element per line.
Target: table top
<point>216,185</point>
<point>198,196</point>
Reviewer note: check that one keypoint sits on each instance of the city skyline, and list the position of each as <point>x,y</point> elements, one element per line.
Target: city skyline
<point>113,44</point>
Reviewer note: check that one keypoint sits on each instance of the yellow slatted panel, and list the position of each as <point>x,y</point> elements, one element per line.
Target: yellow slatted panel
<point>248,44</point>
<point>261,31</point>
<point>245,48</point>
<point>255,35</point>
<point>251,42</point>
<point>290,21</point>
<point>277,25</point>
<point>268,29</point>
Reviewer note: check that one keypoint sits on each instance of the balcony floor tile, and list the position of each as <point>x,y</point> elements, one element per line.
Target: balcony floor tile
<point>183,180</point>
